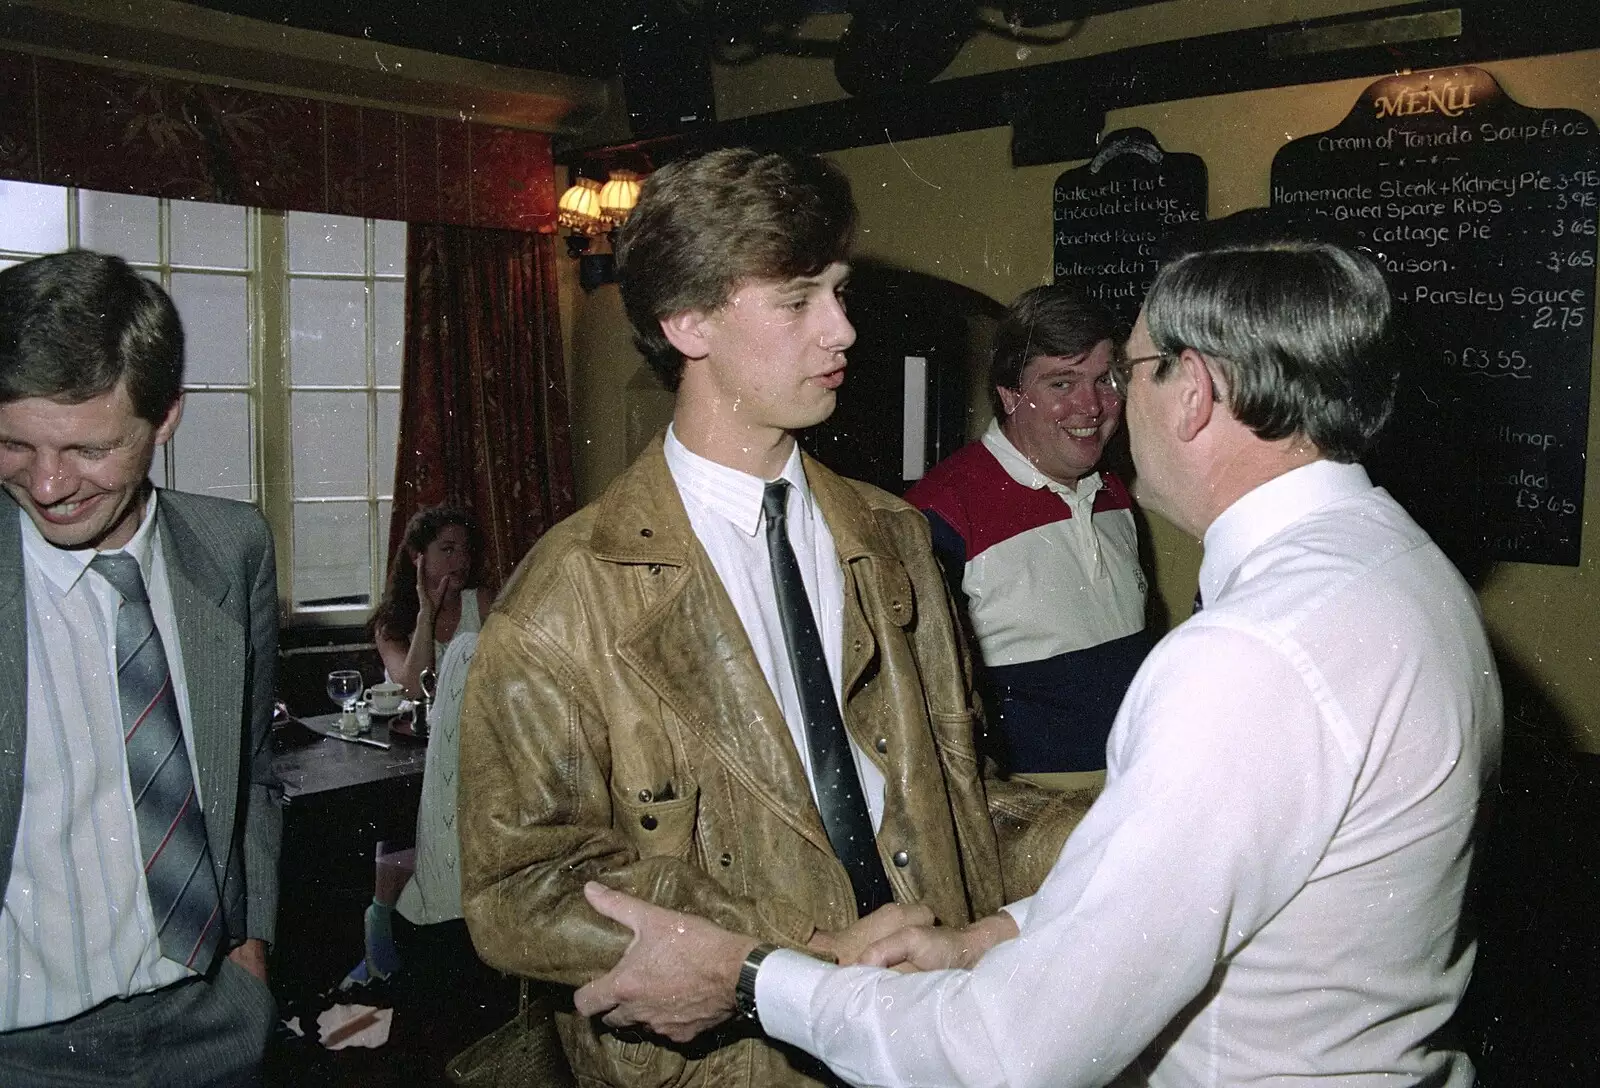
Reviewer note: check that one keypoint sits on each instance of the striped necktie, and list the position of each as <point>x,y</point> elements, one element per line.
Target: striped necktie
<point>172,829</point>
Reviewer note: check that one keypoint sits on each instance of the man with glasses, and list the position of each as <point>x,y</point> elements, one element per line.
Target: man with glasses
<point>1269,890</point>
<point>1040,547</point>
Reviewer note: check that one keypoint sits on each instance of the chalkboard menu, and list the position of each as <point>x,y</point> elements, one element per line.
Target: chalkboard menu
<point>1483,212</point>
<point>1111,216</point>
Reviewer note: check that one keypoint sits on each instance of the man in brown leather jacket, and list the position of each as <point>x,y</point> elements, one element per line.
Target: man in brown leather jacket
<point>637,713</point>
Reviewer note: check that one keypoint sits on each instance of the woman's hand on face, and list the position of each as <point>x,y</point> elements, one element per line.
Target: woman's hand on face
<point>448,585</point>
<point>427,602</point>
<point>429,598</point>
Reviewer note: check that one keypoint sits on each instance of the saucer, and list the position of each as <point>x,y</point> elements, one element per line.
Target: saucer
<point>405,727</point>
<point>405,706</point>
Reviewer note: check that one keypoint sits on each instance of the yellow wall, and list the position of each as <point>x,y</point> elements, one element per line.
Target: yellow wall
<point>954,207</point>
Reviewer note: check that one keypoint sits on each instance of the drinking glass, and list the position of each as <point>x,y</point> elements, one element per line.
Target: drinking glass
<point>345,687</point>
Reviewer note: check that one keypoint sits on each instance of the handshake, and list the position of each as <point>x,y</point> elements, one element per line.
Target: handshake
<point>678,975</point>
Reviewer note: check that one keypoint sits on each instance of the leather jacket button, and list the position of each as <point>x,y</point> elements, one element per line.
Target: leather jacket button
<point>645,797</point>
<point>901,859</point>
<point>725,860</point>
<point>648,823</point>
<point>882,745</point>
<point>647,532</point>
<point>655,568</point>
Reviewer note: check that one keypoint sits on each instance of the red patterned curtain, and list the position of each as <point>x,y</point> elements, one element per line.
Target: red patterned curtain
<point>483,402</point>
<point>64,123</point>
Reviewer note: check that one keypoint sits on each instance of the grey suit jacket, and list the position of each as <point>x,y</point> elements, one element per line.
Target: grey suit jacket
<point>223,579</point>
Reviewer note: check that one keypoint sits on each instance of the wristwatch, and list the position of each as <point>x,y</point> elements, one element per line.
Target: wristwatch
<point>744,991</point>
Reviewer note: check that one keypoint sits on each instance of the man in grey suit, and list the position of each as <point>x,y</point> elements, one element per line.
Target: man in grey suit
<point>139,816</point>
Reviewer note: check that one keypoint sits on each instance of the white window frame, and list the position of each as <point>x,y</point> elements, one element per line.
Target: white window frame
<point>380,493</point>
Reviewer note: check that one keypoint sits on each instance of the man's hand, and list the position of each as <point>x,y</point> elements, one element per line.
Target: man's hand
<point>927,948</point>
<point>252,956</point>
<point>677,976</point>
<point>847,945</point>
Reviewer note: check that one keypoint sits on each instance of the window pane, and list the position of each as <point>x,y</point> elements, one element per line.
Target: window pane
<point>120,223</point>
<point>388,434</point>
<point>388,248</point>
<point>326,243</point>
<point>216,327</point>
<point>332,554</point>
<point>328,332</point>
<point>212,447</point>
<point>385,515</point>
<point>389,329</point>
<point>33,218</point>
<point>330,444</point>
<point>208,235</point>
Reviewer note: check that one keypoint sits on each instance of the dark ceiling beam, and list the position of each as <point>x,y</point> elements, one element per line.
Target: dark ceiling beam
<point>1057,110</point>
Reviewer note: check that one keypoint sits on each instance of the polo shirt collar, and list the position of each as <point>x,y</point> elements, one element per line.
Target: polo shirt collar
<point>1022,470</point>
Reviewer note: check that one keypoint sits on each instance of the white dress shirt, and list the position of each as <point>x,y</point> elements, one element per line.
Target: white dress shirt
<point>1269,890</point>
<point>76,927</point>
<point>724,508</point>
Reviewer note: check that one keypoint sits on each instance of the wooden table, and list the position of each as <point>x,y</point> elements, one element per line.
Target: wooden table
<point>308,765</point>
<point>340,800</point>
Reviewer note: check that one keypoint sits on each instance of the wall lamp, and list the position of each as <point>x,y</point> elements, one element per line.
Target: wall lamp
<point>589,208</point>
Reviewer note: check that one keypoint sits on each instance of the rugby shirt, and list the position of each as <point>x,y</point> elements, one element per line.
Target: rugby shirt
<point>1053,592</point>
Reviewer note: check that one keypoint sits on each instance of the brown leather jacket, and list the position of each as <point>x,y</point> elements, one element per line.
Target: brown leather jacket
<point>617,726</point>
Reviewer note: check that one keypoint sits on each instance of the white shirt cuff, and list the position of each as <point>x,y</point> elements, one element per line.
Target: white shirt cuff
<point>785,986</point>
<point>1019,911</point>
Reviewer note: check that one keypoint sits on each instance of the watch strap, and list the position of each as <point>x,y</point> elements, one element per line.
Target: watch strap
<point>744,991</point>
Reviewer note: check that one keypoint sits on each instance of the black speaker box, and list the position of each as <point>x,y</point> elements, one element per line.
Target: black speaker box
<point>666,76</point>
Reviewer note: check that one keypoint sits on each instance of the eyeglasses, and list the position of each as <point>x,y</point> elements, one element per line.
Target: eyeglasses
<point>1121,370</point>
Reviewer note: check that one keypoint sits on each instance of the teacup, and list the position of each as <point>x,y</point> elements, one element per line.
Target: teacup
<point>385,698</point>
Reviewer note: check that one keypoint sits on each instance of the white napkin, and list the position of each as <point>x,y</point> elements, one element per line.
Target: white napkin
<point>354,1025</point>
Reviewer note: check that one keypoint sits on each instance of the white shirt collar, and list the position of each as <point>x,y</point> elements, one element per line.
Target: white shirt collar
<point>1261,513</point>
<point>1022,470</point>
<point>728,492</point>
<point>65,566</point>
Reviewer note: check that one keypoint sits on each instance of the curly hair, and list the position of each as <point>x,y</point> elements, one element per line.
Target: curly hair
<point>396,615</point>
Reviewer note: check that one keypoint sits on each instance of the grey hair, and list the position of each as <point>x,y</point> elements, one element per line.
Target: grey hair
<point>1300,332</point>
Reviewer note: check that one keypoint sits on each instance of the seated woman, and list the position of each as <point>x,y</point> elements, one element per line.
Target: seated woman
<point>429,618</point>
<point>424,884</point>
<point>433,594</point>
<point>433,894</point>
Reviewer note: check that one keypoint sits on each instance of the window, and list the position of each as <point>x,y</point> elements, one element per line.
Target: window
<point>293,328</point>
<point>346,306</point>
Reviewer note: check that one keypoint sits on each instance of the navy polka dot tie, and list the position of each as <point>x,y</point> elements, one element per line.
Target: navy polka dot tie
<point>839,797</point>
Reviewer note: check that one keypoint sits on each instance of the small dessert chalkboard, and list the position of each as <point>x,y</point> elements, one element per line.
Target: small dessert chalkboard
<point>1111,216</point>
